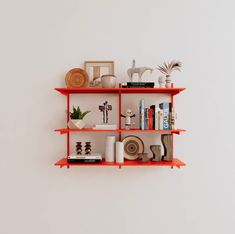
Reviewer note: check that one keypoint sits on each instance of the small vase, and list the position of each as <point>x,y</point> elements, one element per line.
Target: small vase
<point>76,123</point>
<point>168,81</point>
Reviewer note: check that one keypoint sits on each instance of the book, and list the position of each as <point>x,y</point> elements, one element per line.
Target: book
<point>138,85</point>
<point>146,119</point>
<point>160,119</point>
<point>150,119</point>
<point>74,158</point>
<point>141,110</point>
<point>166,110</point>
<point>155,116</point>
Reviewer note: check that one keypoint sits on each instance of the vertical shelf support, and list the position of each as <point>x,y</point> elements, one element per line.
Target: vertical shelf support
<point>68,133</point>
<point>119,112</point>
<point>172,104</point>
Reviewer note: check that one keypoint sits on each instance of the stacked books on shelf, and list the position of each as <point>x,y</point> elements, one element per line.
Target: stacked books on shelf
<point>157,117</point>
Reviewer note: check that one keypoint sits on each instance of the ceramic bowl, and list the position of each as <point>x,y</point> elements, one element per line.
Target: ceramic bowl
<point>108,81</point>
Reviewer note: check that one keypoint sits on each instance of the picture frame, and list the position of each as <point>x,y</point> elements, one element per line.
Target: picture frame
<point>95,69</point>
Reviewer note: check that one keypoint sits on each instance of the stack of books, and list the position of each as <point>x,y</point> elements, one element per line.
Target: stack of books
<point>157,117</point>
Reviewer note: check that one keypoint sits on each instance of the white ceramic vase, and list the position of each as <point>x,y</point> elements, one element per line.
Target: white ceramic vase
<point>109,148</point>
<point>108,81</point>
<point>119,152</point>
<point>76,124</point>
<point>168,82</point>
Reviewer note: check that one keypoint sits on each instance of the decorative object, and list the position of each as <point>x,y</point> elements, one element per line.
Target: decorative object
<point>108,81</point>
<point>77,78</point>
<point>132,146</point>
<point>76,118</point>
<point>96,69</point>
<point>143,157</point>
<point>161,81</point>
<point>79,148</point>
<point>167,142</point>
<point>128,117</point>
<point>119,152</point>
<point>168,68</point>
<point>109,148</point>
<point>156,150</point>
<point>88,147</point>
<point>137,70</point>
<point>105,109</point>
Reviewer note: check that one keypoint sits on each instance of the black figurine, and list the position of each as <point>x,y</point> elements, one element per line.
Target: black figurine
<point>88,148</point>
<point>79,147</point>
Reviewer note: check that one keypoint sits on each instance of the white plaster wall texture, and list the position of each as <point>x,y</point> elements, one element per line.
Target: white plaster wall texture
<point>40,41</point>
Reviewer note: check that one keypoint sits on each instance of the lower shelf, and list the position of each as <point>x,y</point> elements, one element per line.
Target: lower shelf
<point>174,163</point>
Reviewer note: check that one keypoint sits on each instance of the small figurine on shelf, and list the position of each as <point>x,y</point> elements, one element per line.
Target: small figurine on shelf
<point>79,148</point>
<point>105,108</point>
<point>128,117</point>
<point>87,147</point>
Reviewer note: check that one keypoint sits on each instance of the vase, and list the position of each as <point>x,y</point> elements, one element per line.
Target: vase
<point>108,81</point>
<point>109,148</point>
<point>168,81</point>
<point>76,124</point>
<point>119,152</point>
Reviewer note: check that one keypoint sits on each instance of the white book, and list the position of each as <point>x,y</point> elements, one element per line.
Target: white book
<point>156,118</point>
<point>160,120</point>
<point>105,127</point>
<point>85,156</point>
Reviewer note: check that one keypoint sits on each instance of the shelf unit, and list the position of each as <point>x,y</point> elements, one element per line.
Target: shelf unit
<point>119,91</point>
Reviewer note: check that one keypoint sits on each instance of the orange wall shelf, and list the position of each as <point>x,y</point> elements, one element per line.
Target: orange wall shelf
<point>119,91</point>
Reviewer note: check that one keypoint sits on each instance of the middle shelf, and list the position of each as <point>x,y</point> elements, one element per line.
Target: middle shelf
<point>66,130</point>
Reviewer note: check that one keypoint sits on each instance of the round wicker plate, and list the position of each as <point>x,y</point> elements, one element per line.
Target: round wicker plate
<point>77,78</point>
<point>132,146</point>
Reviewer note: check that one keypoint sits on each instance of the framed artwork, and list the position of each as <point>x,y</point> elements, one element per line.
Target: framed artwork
<point>95,69</point>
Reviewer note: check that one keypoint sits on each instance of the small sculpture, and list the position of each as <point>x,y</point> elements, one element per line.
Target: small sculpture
<point>105,108</point>
<point>128,117</point>
<point>156,150</point>
<point>161,81</point>
<point>168,68</point>
<point>143,157</point>
<point>138,70</point>
<point>167,142</point>
<point>87,148</point>
<point>79,147</point>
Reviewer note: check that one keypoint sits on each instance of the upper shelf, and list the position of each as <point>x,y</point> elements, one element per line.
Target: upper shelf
<point>66,91</point>
<point>67,130</point>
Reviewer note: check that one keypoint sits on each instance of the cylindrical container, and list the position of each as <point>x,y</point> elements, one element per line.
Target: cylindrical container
<point>119,152</point>
<point>108,81</point>
<point>109,148</point>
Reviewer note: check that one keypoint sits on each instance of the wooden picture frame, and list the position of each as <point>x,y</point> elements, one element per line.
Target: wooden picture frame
<point>95,69</point>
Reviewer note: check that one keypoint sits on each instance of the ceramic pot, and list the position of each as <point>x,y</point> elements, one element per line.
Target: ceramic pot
<point>168,81</point>
<point>108,81</point>
<point>76,123</point>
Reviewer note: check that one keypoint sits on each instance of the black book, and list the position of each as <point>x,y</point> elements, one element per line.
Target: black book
<point>139,85</point>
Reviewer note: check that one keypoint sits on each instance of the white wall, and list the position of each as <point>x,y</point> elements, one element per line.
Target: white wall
<point>40,41</point>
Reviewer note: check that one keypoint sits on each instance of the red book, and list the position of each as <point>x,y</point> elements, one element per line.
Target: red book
<point>150,123</point>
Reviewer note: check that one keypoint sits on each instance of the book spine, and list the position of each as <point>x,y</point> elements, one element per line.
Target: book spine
<point>165,107</point>
<point>146,119</point>
<point>142,114</point>
<point>160,120</point>
<point>156,119</point>
<point>150,120</point>
<point>153,107</point>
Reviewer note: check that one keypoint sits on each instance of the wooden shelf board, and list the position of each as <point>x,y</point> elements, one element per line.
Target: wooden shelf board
<point>66,91</point>
<point>66,130</point>
<point>175,163</point>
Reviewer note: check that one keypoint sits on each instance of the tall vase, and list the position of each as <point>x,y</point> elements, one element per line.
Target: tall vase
<point>168,81</point>
<point>109,148</point>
